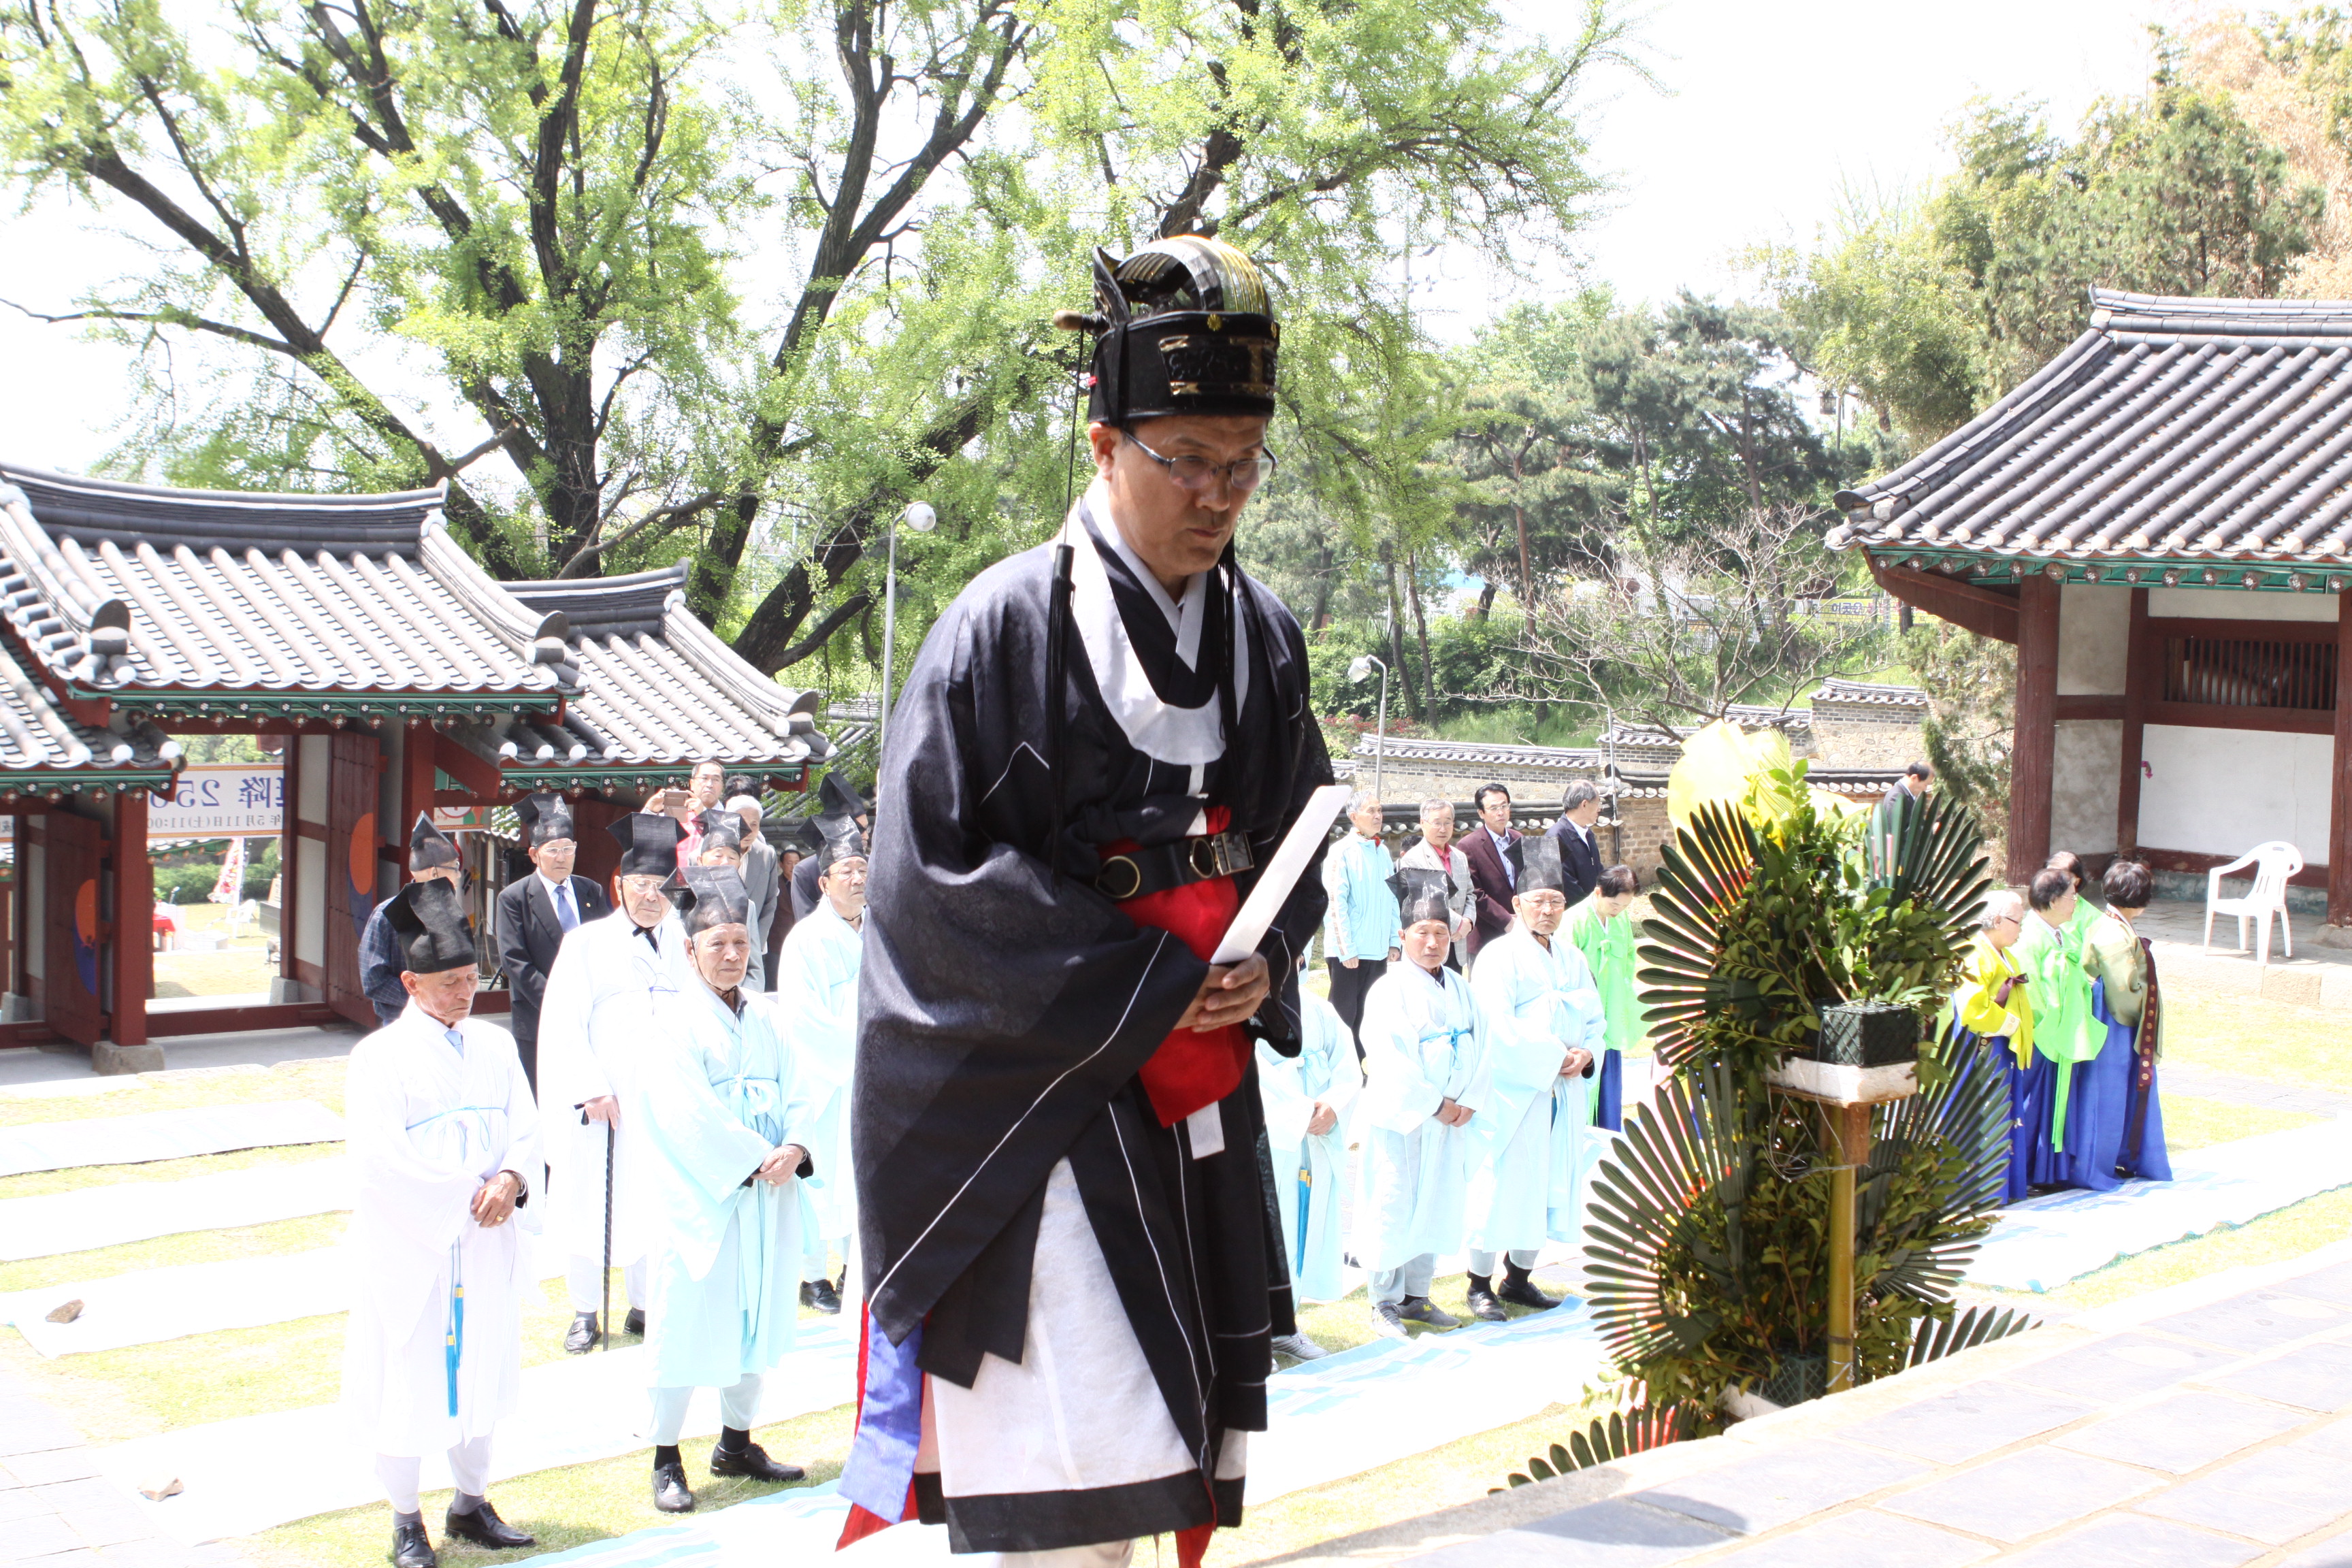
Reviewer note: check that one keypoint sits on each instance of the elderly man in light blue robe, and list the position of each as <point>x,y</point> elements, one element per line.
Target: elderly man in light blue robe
<point>1548,1030</point>
<point>720,1107</point>
<point>1307,1099</point>
<point>1425,1083</point>
<point>817,987</point>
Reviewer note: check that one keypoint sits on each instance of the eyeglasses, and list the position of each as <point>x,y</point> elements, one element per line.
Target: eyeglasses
<point>1194,473</point>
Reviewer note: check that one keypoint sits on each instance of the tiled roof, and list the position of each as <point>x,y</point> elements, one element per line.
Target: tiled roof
<point>169,601</point>
<point>2174,429</point>
<point>1399,748</point>
<point>41,748</point>
<point>1869,701</point>
<point>649,688</point>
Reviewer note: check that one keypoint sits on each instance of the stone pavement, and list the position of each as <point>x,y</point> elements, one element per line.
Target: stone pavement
<point>2318,975</point>
<point>2205,1426</point>
<point>57,1512</point>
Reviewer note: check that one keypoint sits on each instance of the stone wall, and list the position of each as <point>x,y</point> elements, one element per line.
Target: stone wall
<point>1840,744</point>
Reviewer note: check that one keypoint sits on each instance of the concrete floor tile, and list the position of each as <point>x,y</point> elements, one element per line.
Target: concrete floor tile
<point>1784,1484</point>
<point>2122,1366</point>
<point>2334,1553</point>
<point>2324,1285</point>
<point>20,1502</point>
<point>2023,1495</point>
<point>46,1469</point>
<point>25,1430</point>
<point>2335,1438</point>
<point>1863,1539</point>
<point>112,1526</point>
<point>1611,1534</point>
<point>2185,1433</point>
<point>2275,1495</point>
<point>2121,1541</point>
<point>1622,1534</point>
<point>2317,1377</point>
<point>2257,1321</point>
<point>44,1535</point>
<point>1965,1422</point>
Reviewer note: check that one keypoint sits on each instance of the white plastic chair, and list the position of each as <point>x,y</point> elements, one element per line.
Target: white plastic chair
<point>2274,863</point>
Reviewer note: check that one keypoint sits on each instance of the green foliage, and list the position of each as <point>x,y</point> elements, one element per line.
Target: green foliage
<point>1929,308</point>
<point>1971,686</point>
<point>1709,1249</point>
<point>1622,1433</point>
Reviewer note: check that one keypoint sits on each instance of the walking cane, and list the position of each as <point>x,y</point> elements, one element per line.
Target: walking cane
<point>604,1323</point>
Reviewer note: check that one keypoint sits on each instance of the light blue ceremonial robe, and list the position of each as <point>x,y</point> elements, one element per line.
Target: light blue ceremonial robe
<point>816,990</point>
<point>714,1092</point>
<point>1539,1004</point>
<point>1308,1166</point>
<point>1425,1042</point>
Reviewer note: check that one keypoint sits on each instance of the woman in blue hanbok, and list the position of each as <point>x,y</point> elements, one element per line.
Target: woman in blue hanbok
<point>720,1108</point>
<point>2117,1121</point>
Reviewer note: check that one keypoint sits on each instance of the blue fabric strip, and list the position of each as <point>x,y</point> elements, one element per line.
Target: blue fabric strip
<point>881,1464</point>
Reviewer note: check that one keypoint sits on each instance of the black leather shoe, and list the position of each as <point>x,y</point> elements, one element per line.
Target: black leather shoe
<point>670,1494</point>
<point>635,1322</point>
<point>752,1462</point>
<point>581,1337</point>
<point>1484,1308</point>
<point>1522,1293</point>
<point>820,1294</point>
<point>411,1548</point>
<point>483,1526</point>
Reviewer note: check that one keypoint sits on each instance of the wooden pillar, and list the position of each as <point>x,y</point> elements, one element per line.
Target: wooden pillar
<point>2034,751</point>
<point>2140,673</point>
<point>134,918</point>
<point>2340,819</point>
<point>416,777</point>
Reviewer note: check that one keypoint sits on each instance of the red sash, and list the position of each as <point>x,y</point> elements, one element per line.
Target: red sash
<point>1191,1070</point>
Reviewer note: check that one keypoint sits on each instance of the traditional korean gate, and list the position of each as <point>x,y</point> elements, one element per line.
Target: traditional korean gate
<point>355,759</point>
<point>74,852</point>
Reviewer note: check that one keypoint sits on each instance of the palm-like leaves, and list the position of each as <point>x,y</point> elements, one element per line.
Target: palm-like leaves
<point>1623,1432</point>
<point>1708,869</point>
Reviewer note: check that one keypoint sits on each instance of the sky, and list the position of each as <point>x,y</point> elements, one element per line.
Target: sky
<point>1771,111</point>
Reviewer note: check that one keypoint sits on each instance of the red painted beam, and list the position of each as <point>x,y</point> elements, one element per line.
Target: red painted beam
<point>2034,750</point>
<point>134,915</point>
<point>476,774</point>
<point>2141,655</point>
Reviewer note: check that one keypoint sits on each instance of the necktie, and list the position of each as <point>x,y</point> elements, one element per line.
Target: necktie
<point>564,912</point>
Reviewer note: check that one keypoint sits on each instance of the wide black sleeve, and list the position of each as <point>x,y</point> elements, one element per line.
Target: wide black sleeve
<point>1287,940</point>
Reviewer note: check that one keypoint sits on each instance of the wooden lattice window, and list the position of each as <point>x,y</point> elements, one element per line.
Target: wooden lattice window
<point>2250,672</point>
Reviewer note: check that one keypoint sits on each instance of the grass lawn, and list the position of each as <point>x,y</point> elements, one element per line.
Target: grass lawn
<point>316,1077</point>
<point>2191,1123</point>
<point>41,1183</point>
<point>278,1236</point>
<point>2260,1038</point>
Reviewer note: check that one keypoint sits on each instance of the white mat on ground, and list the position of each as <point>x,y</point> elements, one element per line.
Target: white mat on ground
<point>2043,1242</point>
<point>137,1211</point>
<point>257,1471</point>
<point>165,1135</point>
<point>150,1306</point>
<point>1329,1419</point>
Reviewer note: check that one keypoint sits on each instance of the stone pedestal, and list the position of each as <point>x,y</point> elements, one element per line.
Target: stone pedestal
<point>109,1059</point>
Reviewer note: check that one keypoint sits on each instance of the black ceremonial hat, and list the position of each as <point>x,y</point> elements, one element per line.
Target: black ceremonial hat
<point>545,816</point>
<point>429,847</point>
<point>837,797</point>
<point>1184,325</point>
<point>1420,895</point>
<point>720,828</point>
<point>429,917</point>
<point>1539,864</point>
<point>649,841</point>
<point>709,896</point>
<point>842,841</point>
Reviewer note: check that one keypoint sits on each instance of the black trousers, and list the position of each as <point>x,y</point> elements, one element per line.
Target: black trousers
<point>1348,988</point>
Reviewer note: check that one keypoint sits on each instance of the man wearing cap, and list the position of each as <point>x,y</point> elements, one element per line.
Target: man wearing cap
<point>537,912</point>
<point>837,798</point>
<point>1546,1034</point>
<point>443,1147</point>
<point>720,1110</point>
<point>583,1062</point>
<point>817,987</point>
<point>1425,1089</point>
<point>1063,1226</point>
<point>722,843</point>
<point>432,856</point>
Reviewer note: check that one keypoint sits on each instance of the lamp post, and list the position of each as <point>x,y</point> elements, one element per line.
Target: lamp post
<point>919,517</point>
<point>1360,668</point>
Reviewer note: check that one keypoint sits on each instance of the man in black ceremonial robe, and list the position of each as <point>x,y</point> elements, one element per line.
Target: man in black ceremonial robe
<point>1068,1253</point>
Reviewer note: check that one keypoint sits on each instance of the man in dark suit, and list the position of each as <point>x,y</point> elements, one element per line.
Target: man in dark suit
<point>1580,850</point>
<point>1493,850</point>
<point>1912,784</point>
<point>535,913</point>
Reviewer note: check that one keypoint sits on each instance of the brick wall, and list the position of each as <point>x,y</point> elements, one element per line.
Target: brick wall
<point>1640,838</point>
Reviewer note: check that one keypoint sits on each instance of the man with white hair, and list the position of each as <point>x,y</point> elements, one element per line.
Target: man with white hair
<point>1360,927</point>
<point>1993,1010</point>
<point>1436,852</point>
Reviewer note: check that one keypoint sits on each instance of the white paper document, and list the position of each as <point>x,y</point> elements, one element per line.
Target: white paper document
<point>1281,875</point>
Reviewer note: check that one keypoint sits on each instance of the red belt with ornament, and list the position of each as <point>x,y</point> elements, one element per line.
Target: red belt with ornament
<point>1191,1068</point>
